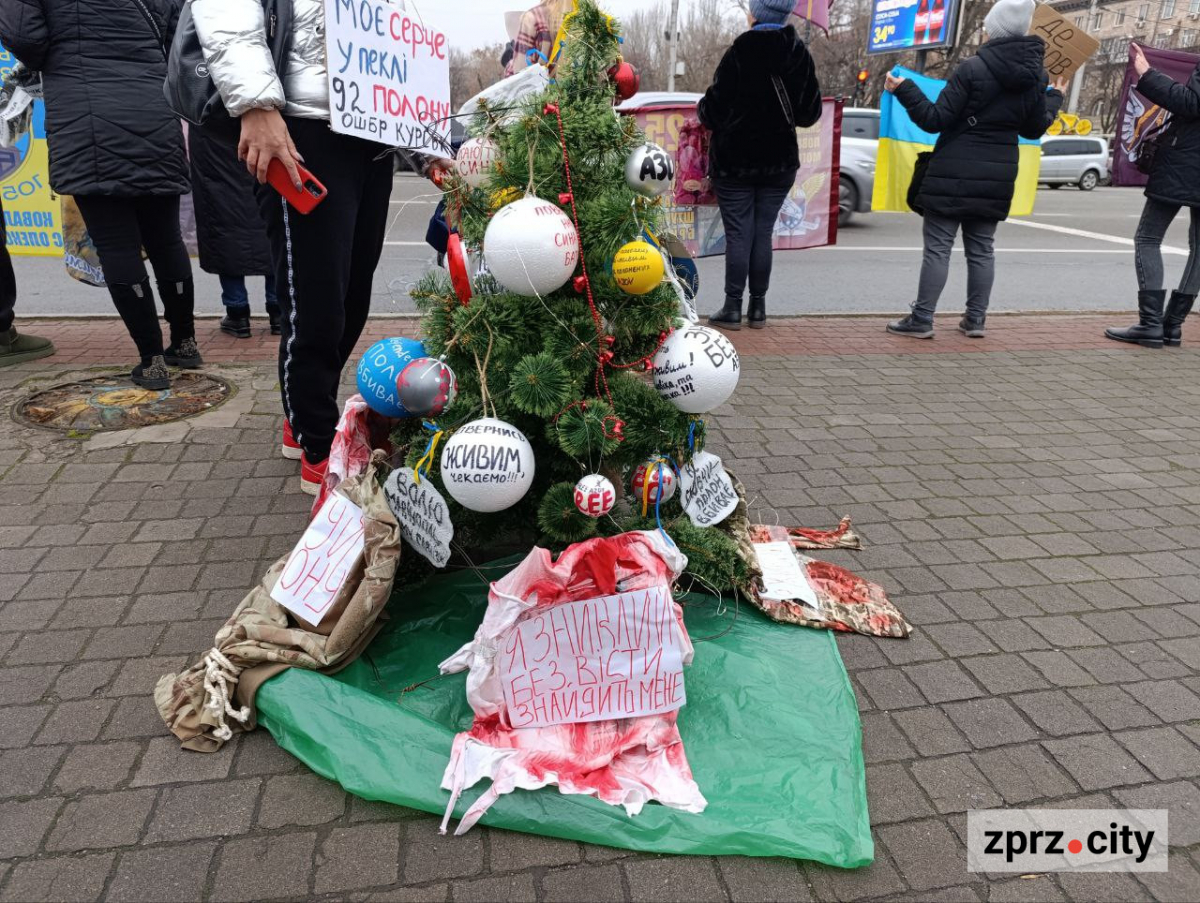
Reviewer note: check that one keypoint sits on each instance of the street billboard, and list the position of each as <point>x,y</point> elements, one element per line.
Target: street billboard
<point>913,25</point>
<point>810,214</point>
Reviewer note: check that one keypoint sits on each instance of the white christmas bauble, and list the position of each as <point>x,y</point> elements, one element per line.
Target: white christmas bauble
<point>649,170</point>
<point>487,465</point>
<point>476,161</point>
<point>531,247</point>
<point>661,477</point>
<point>595,495</point>
<point>696,369</point>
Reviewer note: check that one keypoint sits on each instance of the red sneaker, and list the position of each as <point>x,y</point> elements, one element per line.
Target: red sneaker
<point>291,448</point>
<point>312,475</point>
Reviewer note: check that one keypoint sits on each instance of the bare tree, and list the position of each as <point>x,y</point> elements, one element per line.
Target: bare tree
<point>706,29</point>
<point>472,71</point>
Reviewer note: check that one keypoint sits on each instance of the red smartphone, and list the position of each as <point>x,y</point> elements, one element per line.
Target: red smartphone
<point>307,197</point>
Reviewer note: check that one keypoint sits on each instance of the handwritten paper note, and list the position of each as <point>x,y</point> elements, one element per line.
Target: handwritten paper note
<point>389,75</point>
<point>318,566</point>
<point>422,514</point>
<point>612,657</point>
<point>705,490</point>
<point>783,577</point>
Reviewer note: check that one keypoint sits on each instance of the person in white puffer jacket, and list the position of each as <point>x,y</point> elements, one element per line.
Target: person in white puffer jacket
<point>325,260</point>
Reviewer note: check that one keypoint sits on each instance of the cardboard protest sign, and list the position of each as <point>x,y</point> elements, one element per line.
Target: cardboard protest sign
<point>319,565</point>
<point>422,514</point>
<point>1067,46</point>
<point>599,659</point>
<point>783,578</point>
<point>705,490</point>
<point>389,75</point>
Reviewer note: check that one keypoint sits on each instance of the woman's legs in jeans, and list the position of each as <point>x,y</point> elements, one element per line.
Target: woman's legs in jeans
<point>1157,217</point>
<point>234,296</point>
<point>979,241</point>
<point>737,202</point>
<point>939,233</point>
<point>768,201</point>
<point>112,224</point>
<point>1189,283</point>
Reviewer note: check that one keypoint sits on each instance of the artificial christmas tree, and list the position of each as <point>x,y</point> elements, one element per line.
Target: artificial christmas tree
<point>547,341</point>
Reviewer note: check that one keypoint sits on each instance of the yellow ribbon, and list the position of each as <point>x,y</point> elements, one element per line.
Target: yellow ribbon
<point>428,458</point>
<point>653,463</point>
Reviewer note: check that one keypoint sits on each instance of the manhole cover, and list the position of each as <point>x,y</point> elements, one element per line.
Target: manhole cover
<point>116,403</point>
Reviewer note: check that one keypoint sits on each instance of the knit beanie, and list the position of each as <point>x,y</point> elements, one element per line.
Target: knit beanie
<point>1009,19</point>
<point>775,12</point>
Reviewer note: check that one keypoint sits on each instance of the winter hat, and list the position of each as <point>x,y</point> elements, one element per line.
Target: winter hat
<point>1009,19</point>
<point>774,12</point>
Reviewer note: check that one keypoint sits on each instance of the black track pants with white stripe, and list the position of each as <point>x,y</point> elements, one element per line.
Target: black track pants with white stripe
<point>324,265</point>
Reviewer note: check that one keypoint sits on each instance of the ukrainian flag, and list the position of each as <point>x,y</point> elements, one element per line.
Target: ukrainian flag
<point>900,140</point>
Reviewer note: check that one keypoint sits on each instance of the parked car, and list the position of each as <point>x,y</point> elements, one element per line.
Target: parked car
<point>860,147</point>
<point>1073,160</point>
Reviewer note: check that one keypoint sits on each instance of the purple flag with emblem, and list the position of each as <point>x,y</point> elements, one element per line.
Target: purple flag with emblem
<point>1138,119</point>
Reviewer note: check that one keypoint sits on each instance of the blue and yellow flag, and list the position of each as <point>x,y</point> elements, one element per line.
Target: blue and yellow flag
<point>900,140</point>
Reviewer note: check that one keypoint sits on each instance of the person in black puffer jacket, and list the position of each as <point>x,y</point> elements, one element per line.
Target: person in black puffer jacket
<point>229,229</point>
<point>764,88</point>
<point>989,101</point>
<point>117,147</point>
<point>1174,183</point>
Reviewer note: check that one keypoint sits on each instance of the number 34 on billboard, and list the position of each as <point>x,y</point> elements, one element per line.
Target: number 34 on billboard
<point>913,24</point>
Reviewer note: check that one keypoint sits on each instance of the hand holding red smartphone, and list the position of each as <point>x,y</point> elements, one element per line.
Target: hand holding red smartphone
<point>305,198</point>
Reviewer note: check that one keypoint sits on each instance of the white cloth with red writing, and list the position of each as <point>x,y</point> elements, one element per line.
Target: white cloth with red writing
<point>625,762</point>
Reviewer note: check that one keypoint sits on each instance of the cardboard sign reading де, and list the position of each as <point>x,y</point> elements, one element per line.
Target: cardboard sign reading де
<point>1067,46</point>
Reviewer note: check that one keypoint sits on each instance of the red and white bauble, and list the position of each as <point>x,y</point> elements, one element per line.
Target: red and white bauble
<point>531,247</point>
<point>661,478</point>
<point>426,387</point>
<point>476,161</point>
<point>595,495</point>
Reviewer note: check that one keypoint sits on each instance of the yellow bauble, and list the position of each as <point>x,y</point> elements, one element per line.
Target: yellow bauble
<point>503,196</point>
<point>638,268</point>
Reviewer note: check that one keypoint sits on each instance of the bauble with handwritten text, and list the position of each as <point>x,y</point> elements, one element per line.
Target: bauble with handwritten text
<point>696,369</point>
<point>531,247</point>
<point>649,170</point>
<point>487,465</point>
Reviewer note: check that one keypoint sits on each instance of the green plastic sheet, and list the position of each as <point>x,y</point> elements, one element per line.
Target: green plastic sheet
<point>770,728</point>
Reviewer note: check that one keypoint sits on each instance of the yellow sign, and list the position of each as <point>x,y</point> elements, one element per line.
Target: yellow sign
<point>1069,124</point>
<point>31,210</point>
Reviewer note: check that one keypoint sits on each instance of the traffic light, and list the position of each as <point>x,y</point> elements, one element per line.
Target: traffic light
<point>863,75</point>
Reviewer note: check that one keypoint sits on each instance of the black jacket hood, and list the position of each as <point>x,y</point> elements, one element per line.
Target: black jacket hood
<point>773,49</point>
<point>1017,63</point>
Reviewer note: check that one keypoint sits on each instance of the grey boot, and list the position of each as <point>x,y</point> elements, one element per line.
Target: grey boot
<point>1149,331</point>
<point>1178,308</point>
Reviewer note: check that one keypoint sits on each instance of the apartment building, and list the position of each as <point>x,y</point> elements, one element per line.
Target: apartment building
<point>1173,24</point>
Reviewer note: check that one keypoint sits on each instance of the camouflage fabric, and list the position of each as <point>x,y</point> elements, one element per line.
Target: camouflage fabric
<point>204,705</point>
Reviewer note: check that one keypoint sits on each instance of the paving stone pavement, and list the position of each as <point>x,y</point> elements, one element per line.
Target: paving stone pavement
<point>1036,515</point>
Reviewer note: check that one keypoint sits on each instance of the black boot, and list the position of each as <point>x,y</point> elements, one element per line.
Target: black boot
<point>756,314</point>
<point>729,316</point>
<point>184,354</point>
<point>1177,310</point>
<point>1149,331</point>
<point>152,374</point>
<point>236,323</point>
<point>273,316</point>
<point>135,304</point>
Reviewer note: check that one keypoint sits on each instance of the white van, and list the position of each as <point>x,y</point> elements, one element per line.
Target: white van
<point>1072,160</point>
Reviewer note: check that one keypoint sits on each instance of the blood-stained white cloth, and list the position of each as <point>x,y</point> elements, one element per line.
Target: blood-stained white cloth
<point>351,449</point>
<point>625,762</point>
